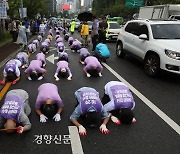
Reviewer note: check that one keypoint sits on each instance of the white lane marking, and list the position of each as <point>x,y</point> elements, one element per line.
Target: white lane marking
<point>75,140</point>
<point>78,41</point>
<point>52,58</point>
<point>161,114</point>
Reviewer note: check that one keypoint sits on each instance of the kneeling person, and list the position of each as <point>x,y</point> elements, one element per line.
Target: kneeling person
<point>63,70</point>
<point>15,110</point>
<point>119,101</point>
<point>90,108</point>
<point>35,70</point>
<point>48,103</point>
<point>93,67</point>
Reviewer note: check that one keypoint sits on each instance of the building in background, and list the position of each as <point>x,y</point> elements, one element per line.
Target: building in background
<point>52,7</point>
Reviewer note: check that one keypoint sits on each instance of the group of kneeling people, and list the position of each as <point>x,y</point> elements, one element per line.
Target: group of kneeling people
<point>117,104</point>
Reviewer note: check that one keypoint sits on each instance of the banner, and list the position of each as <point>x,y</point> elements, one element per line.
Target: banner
<point>3,10</point>
<point>66,6</point>
<point>134,3</point>
<point>23,12</point>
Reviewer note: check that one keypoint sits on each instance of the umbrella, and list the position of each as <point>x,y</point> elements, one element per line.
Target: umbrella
<point>85,16</point>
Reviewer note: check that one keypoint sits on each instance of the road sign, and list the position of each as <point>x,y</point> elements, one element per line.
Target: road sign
<point>52,58</point>
<point>134,3</point>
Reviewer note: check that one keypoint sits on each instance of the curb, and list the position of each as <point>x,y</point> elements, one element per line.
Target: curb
<point>13,54</point>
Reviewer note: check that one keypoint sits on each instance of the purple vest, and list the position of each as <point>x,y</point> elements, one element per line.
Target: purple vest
<point>11,65</point>
<point>11,108</point>
<point>122,97</point>
<point>90,99</point>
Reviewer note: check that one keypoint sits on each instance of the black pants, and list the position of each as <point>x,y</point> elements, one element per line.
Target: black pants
<point>102,38</point>
<point>94,41</point>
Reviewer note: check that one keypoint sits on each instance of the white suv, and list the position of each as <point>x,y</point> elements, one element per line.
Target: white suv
<point>157,43</point>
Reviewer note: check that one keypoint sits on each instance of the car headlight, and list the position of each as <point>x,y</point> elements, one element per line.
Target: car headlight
<point>172,54</point>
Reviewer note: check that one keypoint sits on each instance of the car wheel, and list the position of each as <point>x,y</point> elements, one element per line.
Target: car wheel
<point>119,50</point>
<point>152,65</point>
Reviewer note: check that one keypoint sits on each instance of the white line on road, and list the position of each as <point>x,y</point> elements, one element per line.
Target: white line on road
<point>75,140</point>
<point>161,114</point>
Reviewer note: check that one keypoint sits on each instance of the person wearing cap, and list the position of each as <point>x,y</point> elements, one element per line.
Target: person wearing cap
<point>23,58</point>
<point>92,67</point>
<point>83,53</point>
<point>44,47</point>
<point>63,70</point>
<point>48,103</point>
<point>103,26</point>
<point>31,48</point>
<point>75,46</point>
<point>11,72</point>
<point>89,108</point>
<point>15,110</point>
<point>118,100</point>
<point>102,52</point>
<point>70,41</point>
<point>35,70</point>
<point>41,56</point>
<point>63,56</point>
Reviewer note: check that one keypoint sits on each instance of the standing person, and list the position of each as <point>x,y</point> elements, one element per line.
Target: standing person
<point>15,110</point>
<point>22,38</point>
<point>89,107</point>
<point>72,28</point>
<point>85,34</point>
<point>94,33</point>
<point>27,25</point>
<point>42,29</point>
<point>48,103</point>
<point>103,26</point>
<point>14,30</point>
<point>118,100</point>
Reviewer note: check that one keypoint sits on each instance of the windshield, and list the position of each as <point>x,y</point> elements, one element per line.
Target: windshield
<point>114,26</point>
<point>166,31</point>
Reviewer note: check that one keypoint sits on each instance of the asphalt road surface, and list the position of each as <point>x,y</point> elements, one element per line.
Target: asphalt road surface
<point>151,134</point>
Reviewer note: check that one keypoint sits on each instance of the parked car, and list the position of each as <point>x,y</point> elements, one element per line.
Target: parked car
<point>113,30</point>
<point>155,42</point>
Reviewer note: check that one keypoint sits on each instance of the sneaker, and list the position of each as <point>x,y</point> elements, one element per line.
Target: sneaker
<point>40,78</point>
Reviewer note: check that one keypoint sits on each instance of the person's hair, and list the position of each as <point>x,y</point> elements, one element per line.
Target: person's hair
<point>126,116</point>
<point>63,74</point>
<point>63,58</point>
<point>93,72</point>
<point>92,119</point>
<point>84,57</point>
<point>49,110</point>
<point>10,124</point>
<point>94,17</point>
<point>57,33</point>
<point>34,75</point>
<point>11,76</point>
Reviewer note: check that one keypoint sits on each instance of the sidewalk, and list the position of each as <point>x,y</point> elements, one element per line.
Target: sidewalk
<point>7,49</point>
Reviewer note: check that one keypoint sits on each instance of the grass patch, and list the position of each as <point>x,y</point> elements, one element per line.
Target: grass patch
<point>6,38</point>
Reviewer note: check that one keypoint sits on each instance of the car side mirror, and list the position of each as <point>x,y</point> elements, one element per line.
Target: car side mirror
<point>143,37</point>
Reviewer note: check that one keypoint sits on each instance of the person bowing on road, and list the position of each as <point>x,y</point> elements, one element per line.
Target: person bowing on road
<point>35,70</point>
<point>83,53</point>
<point>63,71</point>
<point>15,110</point>
<point>23,58</point>
<point>118,100</point>
<point>75,46</point>
<point>92,67</point>
<point>41,56</point>
<point>48,103</point>
<point>11,72</point>
<point>89,108</point>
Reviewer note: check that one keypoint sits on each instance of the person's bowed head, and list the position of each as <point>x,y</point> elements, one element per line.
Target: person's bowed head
<point>64,74</point>
<point>124,116</point>
<point>70,41</point>
<point>39,38</point>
